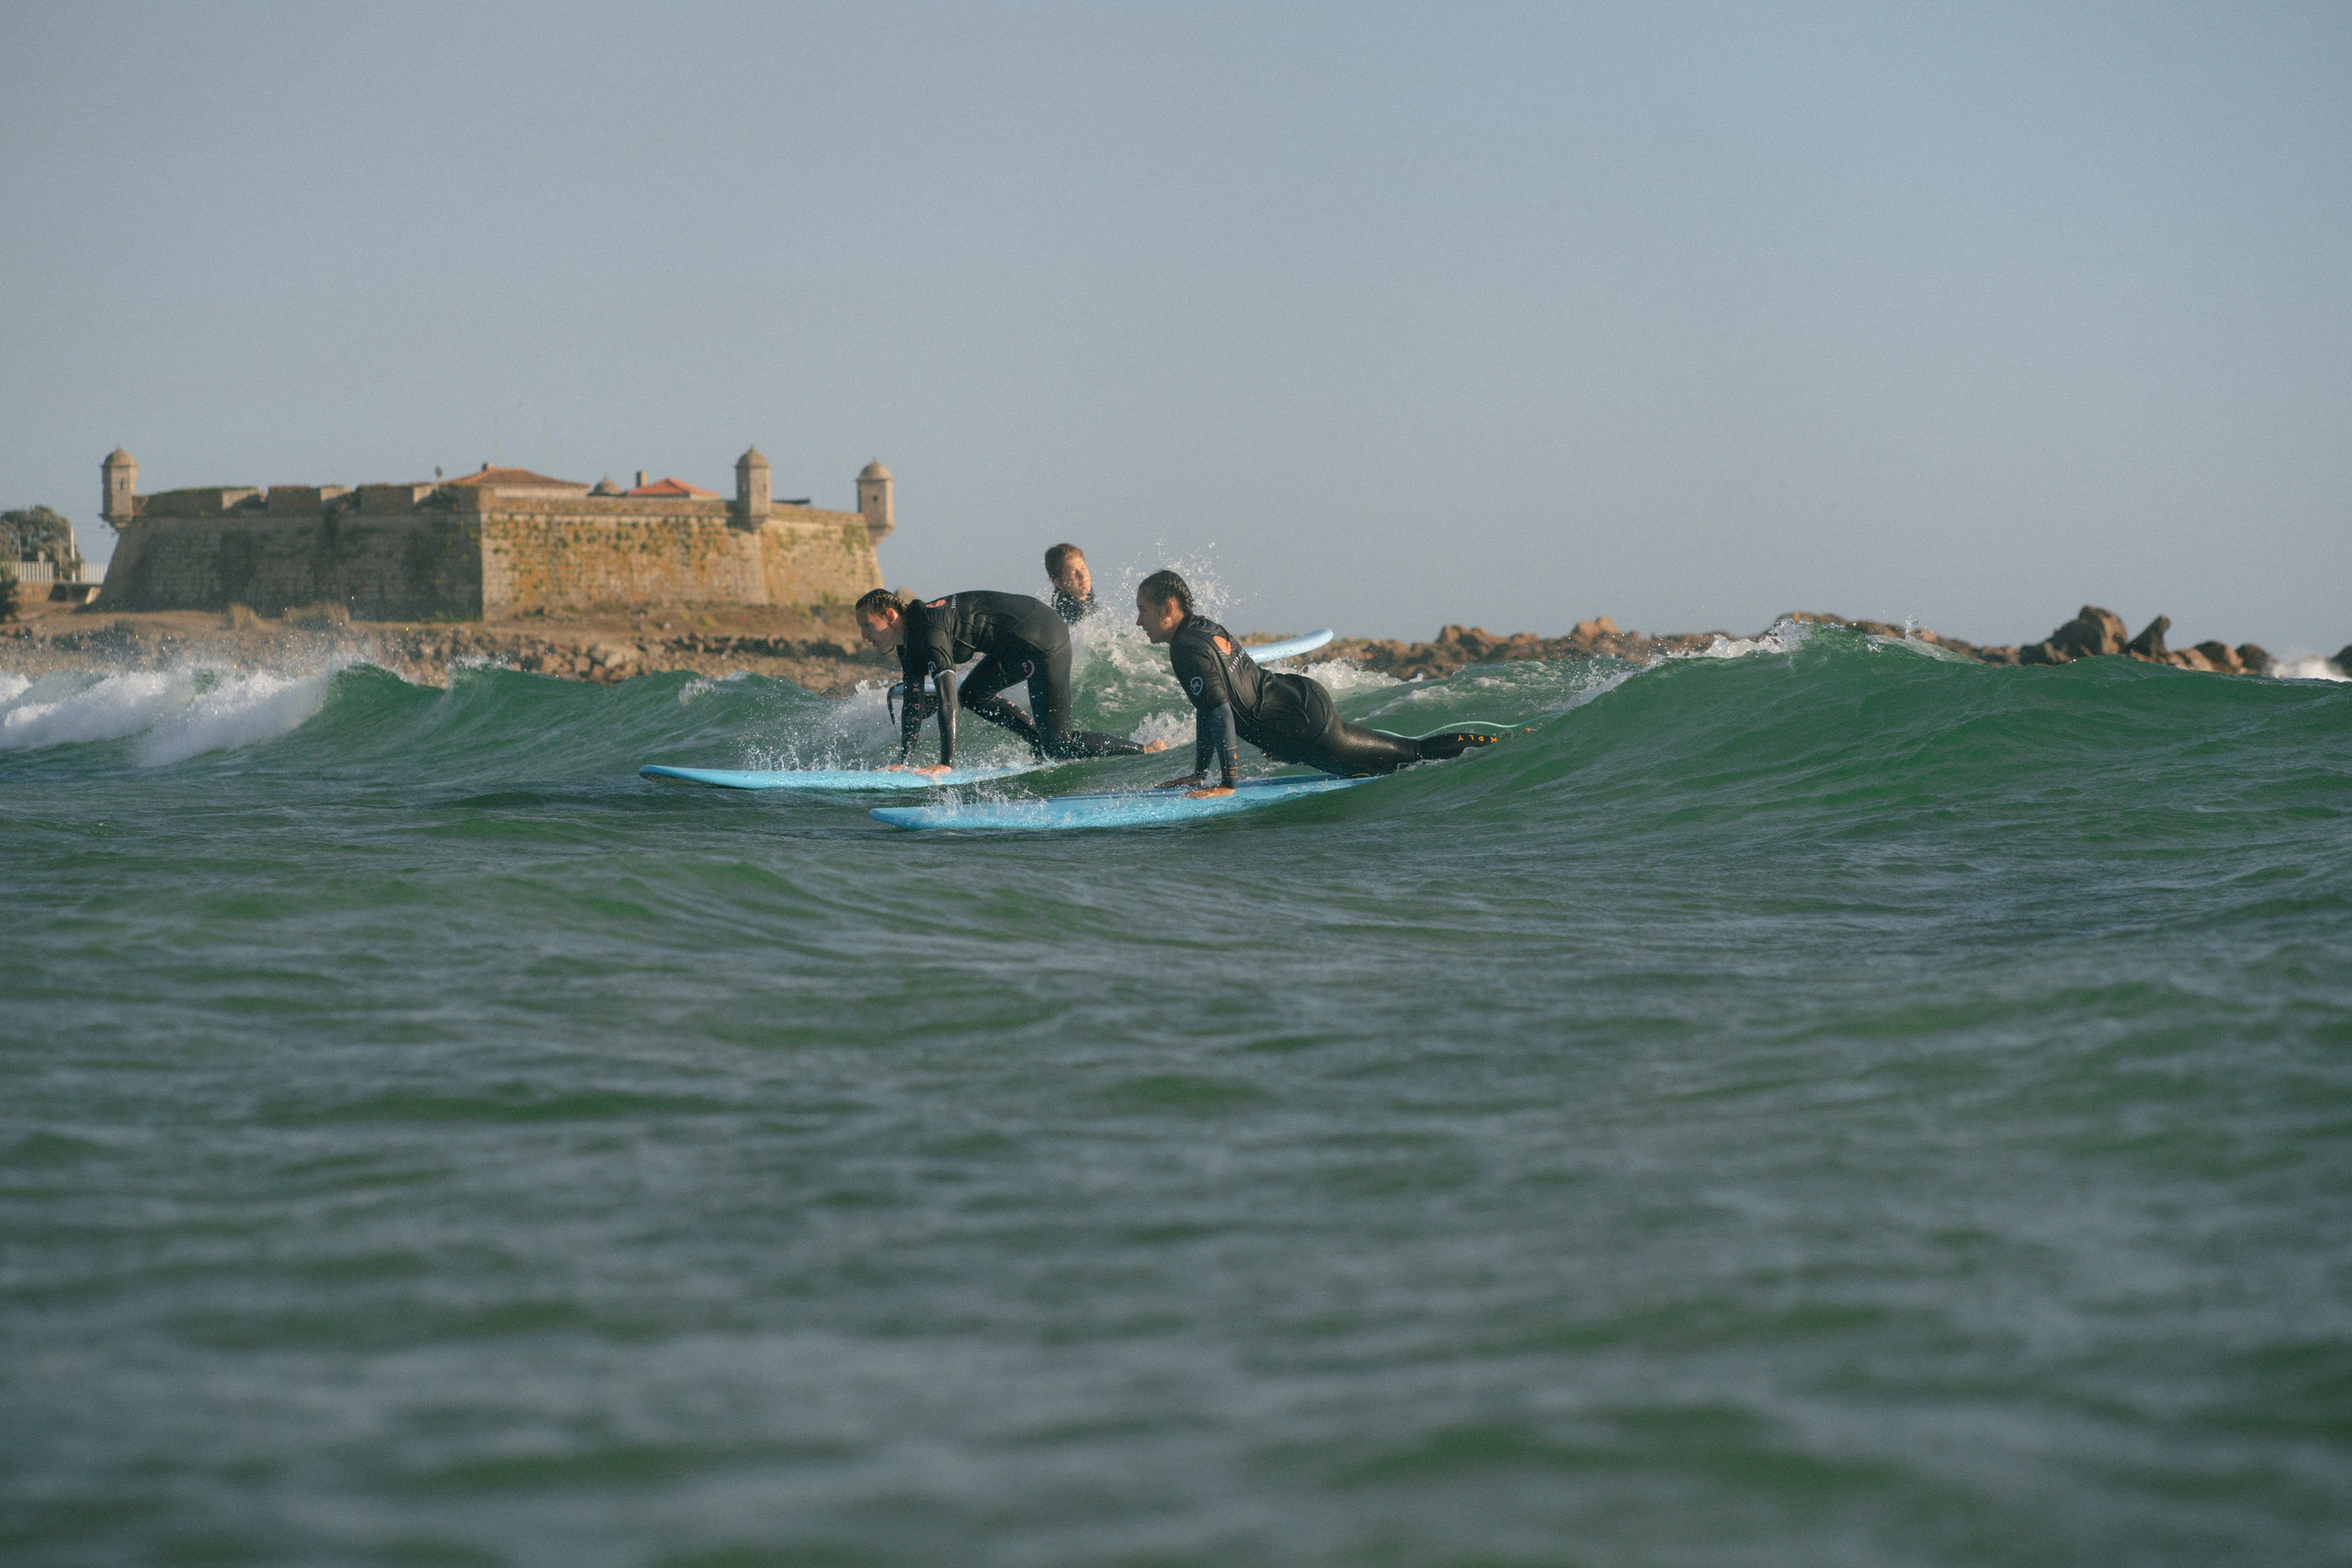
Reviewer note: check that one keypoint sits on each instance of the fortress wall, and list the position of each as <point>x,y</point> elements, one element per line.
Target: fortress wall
<point>542,558</point>
<point>815,557</point>
<point>498,556</point>
<point>549,557</point>
<point>427,566</point>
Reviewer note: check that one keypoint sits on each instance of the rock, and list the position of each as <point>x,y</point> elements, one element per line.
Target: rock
<point>2343,661</point>
<point>2221,657</point>
<point>2150,644</point>
<point>2255,660</point>
<point>2094,633</point>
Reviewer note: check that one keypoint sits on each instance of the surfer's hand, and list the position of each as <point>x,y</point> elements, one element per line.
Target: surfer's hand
<point>1187,782</point>
<point>1208,793</point>
<point>1159,745</point>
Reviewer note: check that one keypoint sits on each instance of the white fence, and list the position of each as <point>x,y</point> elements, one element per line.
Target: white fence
<point>44,574</point>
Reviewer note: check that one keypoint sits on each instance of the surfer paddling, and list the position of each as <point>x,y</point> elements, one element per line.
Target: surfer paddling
<point>1074,586</point>
<point>1290,718</point>
<point>1018,638</point>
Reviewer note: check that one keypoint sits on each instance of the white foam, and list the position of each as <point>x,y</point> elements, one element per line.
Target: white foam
<point>1345,678</point>
<point>2307,667</point>
<point>1176,728</point>
<point>173,715</point>
<point>1782,637</point>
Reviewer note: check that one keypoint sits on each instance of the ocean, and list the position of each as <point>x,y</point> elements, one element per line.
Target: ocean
<point>1817,1103</point>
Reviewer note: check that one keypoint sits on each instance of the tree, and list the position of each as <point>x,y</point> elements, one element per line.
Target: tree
<point>38,533</point>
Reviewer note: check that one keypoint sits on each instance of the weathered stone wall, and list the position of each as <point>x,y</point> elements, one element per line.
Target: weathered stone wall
<point>815,557</point>
<point>424,566</point>
<point>549,557</point>
<point>494,556</point>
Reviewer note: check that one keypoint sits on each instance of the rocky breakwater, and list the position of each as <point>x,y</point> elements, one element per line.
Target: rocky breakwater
<point>819,649</point>
<point>1458,648</point>
<point>828,663</point>
<point>2092,633</point>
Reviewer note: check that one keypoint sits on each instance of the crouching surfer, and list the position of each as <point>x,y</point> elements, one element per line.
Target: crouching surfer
<point>1018,638</point>
<point>1290,718</point>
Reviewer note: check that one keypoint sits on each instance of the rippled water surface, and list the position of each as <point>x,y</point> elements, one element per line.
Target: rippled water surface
<point>1824,1104</point>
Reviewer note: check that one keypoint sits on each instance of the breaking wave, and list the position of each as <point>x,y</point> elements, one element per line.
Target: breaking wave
<point>169,715</point>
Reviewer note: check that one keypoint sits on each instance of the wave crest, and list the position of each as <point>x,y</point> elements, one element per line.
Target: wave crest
<point>170,715</point>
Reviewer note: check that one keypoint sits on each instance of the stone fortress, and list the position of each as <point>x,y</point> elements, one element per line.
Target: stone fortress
<point>491,546</point>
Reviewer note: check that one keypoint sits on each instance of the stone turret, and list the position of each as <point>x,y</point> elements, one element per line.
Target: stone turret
<point>874,501</point>
<point>752,491</point>
<point>121,474</point>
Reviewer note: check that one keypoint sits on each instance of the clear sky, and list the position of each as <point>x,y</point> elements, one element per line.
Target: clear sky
<point>1393,316</point>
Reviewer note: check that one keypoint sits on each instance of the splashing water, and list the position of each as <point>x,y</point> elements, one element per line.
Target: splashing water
<point>173,715</point>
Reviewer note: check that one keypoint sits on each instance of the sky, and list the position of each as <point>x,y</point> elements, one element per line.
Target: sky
<point>1379,317</point>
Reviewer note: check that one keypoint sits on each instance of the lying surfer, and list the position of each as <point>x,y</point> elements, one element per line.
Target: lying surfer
<point>1290,718</point>
<point>1074,586</point>
<point>1020,638</point>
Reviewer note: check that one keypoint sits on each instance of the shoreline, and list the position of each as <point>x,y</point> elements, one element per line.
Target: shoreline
<point>819,648</point>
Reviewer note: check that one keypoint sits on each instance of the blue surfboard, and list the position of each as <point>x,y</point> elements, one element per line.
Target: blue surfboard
<point>1120,808</point>
<point>1289,647</point>
<point>833,780</point>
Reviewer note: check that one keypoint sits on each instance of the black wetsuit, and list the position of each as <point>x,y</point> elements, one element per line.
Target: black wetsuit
<point>1023,639</point>
<point>1070,608</point>
<point>1290,718</point>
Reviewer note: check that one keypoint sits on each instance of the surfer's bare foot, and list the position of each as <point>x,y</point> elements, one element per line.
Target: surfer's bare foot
<point>935,770</point>
<point>1206,793</point>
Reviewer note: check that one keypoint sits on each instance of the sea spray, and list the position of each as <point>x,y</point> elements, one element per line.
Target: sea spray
<point>2310,667</point>
<point>171,714</point>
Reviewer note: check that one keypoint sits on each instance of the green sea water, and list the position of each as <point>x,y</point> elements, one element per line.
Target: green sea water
<point>1824,1104</point>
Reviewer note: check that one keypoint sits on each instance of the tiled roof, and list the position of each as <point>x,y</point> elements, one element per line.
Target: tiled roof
<point>501,478</point>
<point>673,487</point>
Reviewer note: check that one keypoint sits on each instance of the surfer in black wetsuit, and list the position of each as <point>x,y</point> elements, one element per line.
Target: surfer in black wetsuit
<point>1290,718</point>
<point>1074,586</point>
<point>1019,639</point>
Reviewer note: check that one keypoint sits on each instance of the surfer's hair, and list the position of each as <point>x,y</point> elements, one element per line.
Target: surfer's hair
<point>874,601</point>
<point>1060,556</point>
<point>1163,585</point>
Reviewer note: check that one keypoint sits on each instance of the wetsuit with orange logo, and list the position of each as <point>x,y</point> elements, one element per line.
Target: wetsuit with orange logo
<point>1290,718</point>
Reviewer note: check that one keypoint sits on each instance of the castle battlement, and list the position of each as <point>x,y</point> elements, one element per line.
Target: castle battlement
<point>498,543</point>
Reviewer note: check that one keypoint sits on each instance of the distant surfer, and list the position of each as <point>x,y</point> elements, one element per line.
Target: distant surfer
<point>1074,586</point>
<point>1018,638</point>
<point>1290,718</point>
